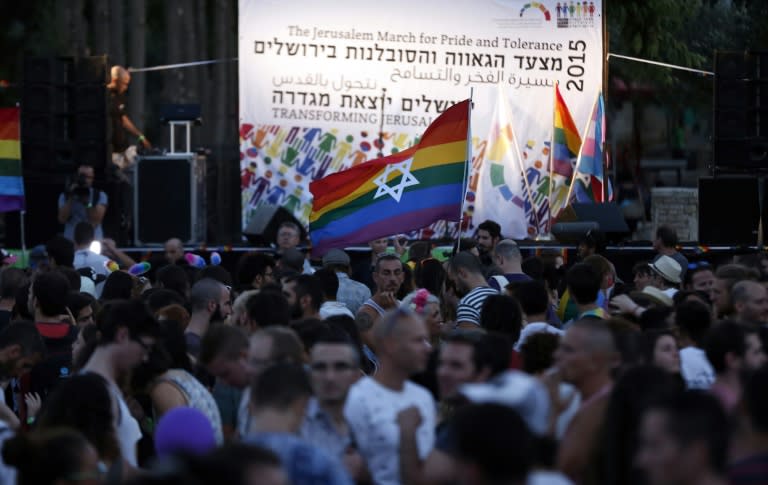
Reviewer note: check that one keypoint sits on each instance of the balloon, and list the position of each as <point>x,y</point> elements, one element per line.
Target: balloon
<point>139,269</point>
<point>111,266</point>
<point>194,260</point>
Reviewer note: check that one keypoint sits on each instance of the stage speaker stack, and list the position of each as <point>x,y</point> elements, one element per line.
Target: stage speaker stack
<point>169,199</point>
<point>578,220</point>
<point>730,210</point>
<point>63,123</point>
<point>741,110</point>
<point>64,113</point>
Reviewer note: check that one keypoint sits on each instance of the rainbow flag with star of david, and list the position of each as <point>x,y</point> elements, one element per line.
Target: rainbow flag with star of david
<point>11,182</point>
<point>402,192</point>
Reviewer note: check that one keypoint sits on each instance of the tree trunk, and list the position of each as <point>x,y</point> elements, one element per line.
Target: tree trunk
<point>203,72</point>
<point>173,87</point>
<point>190,54</point>
<point>79,27</point>
<point>100,27</point>
<point>219,99</point>
<point>116,32</point>
<point>137,58</point>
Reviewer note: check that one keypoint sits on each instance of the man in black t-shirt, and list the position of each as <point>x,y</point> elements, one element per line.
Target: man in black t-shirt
<point>119,172</point>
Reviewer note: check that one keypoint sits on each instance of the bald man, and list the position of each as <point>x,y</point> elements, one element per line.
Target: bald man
<point>585,358</point>
<point>750,301</point>
<point>174,250</point>
<point>373,403</point>
<point>119,173</point>
<point>120,78</point>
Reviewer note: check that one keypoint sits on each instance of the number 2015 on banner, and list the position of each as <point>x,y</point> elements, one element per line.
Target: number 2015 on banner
<point>576,65</point>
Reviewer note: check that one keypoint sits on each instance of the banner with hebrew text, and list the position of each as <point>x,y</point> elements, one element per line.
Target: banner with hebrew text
<point>328,85</point>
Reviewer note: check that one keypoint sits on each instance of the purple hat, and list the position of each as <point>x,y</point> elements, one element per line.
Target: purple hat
<point>184,430</point>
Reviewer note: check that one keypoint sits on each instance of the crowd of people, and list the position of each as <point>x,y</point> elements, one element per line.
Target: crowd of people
<point>487,367</point>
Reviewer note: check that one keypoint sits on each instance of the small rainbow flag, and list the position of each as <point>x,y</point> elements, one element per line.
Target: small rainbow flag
<point>566,138</point>
<point>11,182</point>
<point>402,192</point>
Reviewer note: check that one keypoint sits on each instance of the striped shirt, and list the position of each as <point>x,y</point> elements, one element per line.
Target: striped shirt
<point>470,306</point>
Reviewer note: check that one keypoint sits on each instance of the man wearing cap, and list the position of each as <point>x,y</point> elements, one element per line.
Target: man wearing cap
<point>352,293</point>
<point>666,275</point>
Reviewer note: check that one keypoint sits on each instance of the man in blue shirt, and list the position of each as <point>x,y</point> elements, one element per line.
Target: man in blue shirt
<point>278,404</point>
<point>81,202</point>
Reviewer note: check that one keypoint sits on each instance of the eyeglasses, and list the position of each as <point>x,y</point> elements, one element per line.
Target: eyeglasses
<point>336,366</point>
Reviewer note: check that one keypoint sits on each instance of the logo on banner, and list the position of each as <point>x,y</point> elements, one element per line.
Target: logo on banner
<point>575,14</point>
<point>536,5</point>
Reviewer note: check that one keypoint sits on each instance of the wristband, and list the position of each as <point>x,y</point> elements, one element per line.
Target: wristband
<point>31,420</point>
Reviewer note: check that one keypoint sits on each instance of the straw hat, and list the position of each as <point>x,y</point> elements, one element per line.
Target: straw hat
<point>667,268</point>
<point>653,294</point>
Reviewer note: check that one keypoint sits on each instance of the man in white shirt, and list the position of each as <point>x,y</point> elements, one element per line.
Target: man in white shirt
<point>84,257</point>
<point>128,333</point>
<point>373,403</point>
<point>693,320</point>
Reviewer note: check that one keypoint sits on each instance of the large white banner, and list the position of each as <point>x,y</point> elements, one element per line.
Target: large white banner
<point>328,85</point>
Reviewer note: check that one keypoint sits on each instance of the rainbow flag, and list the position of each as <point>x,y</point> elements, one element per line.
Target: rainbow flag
<point>565,137</point>
<point>11,183</point>
<point>401,192</point>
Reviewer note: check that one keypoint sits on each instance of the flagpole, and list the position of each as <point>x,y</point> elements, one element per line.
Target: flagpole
<point>581,148</point>
<point>551,161</point>
<point>22,213</point>
<point>466,169</point>
<point>604,162</point>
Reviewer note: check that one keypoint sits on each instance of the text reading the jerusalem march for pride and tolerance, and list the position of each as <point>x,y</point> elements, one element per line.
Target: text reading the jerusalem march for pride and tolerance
<point>315,33</point>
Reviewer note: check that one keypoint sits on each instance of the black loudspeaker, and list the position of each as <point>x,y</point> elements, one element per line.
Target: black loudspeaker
<point>169,199</point>
<point>741,110</point>
<point>64,103</point>
<point>262,227</point>
<point>48,70</point>
<point>579,219</point>
<point>91,70</point>
<point>721,223</point>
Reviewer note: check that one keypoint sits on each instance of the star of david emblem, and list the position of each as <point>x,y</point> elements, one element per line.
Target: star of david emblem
<point>395,192</point>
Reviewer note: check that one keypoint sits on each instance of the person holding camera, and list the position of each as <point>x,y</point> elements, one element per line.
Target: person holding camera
<point>81,202</point>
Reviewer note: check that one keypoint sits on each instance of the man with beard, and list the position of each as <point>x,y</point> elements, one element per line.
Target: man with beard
<point>304,294</point>
<point>466,272</point>
<point>210,303</point>
<point>487,236</point>
<point>21,347</point>
<point>388,275</point>
<point>373,403</point>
